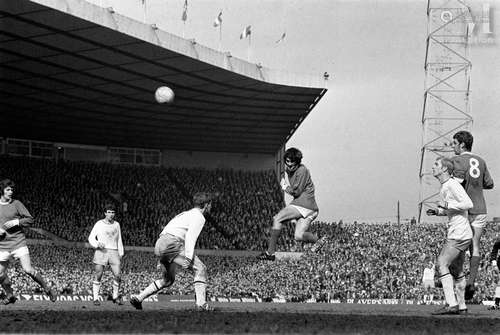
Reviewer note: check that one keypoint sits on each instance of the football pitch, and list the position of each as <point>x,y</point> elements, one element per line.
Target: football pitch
<point>241,318</point>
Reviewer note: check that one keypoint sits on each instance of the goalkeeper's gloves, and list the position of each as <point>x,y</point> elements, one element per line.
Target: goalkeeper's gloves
<point>494,263</point>
<point>431,211</point>
<point>11,223</point>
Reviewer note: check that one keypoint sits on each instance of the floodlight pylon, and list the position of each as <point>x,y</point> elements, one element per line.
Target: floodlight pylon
<point>446,107</point>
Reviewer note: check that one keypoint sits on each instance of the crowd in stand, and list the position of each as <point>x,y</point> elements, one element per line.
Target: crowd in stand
<point>67,198</point>
<point>375,261</point>
<point>360,260</point>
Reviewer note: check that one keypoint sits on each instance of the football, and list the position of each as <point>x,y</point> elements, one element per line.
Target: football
<point>164,94</point>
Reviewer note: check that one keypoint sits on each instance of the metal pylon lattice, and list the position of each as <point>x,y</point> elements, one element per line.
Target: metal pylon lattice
<point>446,107</point>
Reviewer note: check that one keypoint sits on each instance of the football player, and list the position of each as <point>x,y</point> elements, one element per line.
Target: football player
<point>471,171</point>
<point>14,217</point>
<point>175,248</point>
<point>106,239</point>
<point>302,210</point>
<point>454,203</point>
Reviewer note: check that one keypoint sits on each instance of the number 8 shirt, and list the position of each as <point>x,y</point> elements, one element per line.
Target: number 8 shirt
<point>471,171</point>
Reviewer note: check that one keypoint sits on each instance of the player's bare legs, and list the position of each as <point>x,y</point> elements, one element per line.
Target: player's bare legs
<point>286,214</point>
<point>5,282</point>
<point>456,270</point>
<point>447,256</point>
<point>474,260</point>
<point>301,233</point>
<point>96,285</point>
<point>115,268</point>
<point>168,273</point>
<point>36,276</point>
<point>200,281</point>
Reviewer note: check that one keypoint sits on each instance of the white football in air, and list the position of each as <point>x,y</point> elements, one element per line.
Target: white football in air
<point>164,94</point>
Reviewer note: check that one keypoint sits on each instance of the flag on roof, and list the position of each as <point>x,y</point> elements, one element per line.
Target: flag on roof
<point>246,32</point>
<point>185,11</point>
<point>282,38</point>
<point>218,20</point>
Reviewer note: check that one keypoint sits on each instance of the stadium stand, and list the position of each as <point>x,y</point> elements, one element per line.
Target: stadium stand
<point>67,199</point>
<point>360,261</point>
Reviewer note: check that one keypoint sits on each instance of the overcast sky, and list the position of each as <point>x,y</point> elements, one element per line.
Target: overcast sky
<point>362,141</point>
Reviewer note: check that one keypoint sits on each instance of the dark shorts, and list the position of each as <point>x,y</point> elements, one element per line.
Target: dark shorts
<point>168,247</point>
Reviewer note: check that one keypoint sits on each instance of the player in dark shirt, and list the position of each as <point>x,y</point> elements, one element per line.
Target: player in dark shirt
<point>14,217</point>
<point>471,171</point>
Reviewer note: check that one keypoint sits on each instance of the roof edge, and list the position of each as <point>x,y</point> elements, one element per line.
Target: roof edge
<point>150,33</point>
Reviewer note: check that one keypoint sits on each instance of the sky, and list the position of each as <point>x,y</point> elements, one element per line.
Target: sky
<point>362,141</point>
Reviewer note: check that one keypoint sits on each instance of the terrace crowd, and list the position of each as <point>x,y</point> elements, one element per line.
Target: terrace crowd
<point>67,198</point>
<point>360,261</point>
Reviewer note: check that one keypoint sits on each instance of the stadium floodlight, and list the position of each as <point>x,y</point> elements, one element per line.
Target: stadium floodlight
<point>446,107</point>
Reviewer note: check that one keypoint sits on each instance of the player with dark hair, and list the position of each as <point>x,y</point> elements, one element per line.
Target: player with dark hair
<point>495,262</point>
<point>175,247</point>
<point>14,218</point>
<point>106,238</point>
<point>454,204</point>
<point>471,171</point>
<point>302,210</point>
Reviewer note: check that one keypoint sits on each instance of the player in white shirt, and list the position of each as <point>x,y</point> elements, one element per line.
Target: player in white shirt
<point>106,238</point>
<point>175,247</point>
<point>455,204</point>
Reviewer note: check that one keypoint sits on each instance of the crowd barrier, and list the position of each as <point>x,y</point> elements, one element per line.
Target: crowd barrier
<point>190,298</point>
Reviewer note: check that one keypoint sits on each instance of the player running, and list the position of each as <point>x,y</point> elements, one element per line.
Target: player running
<point>303,208</point>
<point>455,203</point>
<point>106,238</point>
<point>175,247</point>
<point>471,171</point>
<point>14,217</point>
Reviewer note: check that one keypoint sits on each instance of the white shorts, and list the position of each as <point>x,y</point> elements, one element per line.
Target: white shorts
<point>429,283</point>
<point>478,220</point>
<point>17,253</point>
<point>105,256</point>
<point>306,212</point>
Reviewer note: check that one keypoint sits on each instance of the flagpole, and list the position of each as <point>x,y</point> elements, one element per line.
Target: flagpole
<point>248,49</point>
<point>220,37</point>
<point>183,29</point>
<point>145,8</point>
